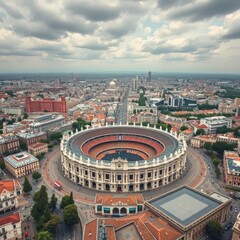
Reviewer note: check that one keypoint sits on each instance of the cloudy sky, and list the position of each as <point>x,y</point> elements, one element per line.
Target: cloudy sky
<point>120,35</point>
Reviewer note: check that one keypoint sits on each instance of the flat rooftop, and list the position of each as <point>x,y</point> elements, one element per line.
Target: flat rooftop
<point>184,205</point>
<point>233,164</point>
<point>20,159</point>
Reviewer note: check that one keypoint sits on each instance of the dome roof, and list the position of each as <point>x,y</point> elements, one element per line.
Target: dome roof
<point>113,83</point>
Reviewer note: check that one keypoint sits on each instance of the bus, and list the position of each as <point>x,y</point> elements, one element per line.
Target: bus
<point>57,185</point>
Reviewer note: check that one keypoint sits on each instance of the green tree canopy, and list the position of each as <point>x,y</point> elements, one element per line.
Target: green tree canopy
<point>41,203</point>
<point>214,230</point>
<point>67,200</point>
<point>183,128</point>
<point>36,175</point>
<point>200,132</point>
<point>51,225</point>
<point>208,146</point>
<point>70,215</point>
<point>43,235</point>
<point>53,202</point>
<point>219,147</point>
<point>223,130</point>
<point>2,164</point>
<point>27,187</point>
<point>56,136</point>
<point>25,115</point>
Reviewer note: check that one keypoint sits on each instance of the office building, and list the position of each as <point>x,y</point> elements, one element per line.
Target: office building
<point>149,76</point>
<point>135,84</point>
<point>46,123</point>
<point>213,123</point>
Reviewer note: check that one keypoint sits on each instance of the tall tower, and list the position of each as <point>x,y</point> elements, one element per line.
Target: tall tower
<point>149,76</point>
<point>4,129</point>
<point>135,84</point>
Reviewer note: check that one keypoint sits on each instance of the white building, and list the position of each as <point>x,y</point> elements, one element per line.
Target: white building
<point>8,195</point>
<point>47,122</point>
<point>216,122</point>
<point>10,227</point>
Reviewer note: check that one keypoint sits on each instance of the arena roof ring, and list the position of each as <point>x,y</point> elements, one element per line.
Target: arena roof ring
<point>123,152</point>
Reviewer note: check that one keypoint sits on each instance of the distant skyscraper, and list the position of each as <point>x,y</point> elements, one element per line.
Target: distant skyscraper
<point>149,76</point>
<point>135,84</point>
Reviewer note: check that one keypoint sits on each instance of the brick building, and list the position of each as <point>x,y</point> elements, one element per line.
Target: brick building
<point>29,138</point>
<point>46,105</point>
<point>231,163</point>
<point>8,143</point>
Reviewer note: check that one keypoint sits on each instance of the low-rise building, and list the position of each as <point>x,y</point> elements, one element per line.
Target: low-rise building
<point>21,164</point>
<point>29,138</point>
<point>181,214</point>
<point>199,141</point>
<point>187,134</point>
<point>9,143</point>
<point>225,108</point>
<point>231,163</point>
<point>10,227</point>
<point>46,123</point>
<point>15,110</point>
<point>236,229</point>
<point>113,205</point>
<point>9,189</point>
<point>38,148</point>
<point>216,122</point>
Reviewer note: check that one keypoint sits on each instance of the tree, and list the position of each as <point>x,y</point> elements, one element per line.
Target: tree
<point>51,225</point>
<point>67,200</point>
<point>214,230</point>
<point>43,235</point>
<point>56,136</point>
<point>70,215</point>
<point>36,175</point>
<point>2,164</point>
<point>219,147</point>
<point>41,203</point>
<point>151,111</point>
<point>208,146</point>
<point>223,130</point>
<point>25,115</point>
<point>134,111</point>
<point>43,219</point>
<point>23,146</point>
<point>183,128</point>
<point>200,132</point>
<point>237,132</point>
<point>27,187</point>
<point>71,201</point>
<point>53,202</point>
<point>19,119</point>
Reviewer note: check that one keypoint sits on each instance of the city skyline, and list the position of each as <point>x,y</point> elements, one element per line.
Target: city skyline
<point>157,36</point>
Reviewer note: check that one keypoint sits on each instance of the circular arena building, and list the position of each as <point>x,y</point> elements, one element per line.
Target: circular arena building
<point>123,158</point>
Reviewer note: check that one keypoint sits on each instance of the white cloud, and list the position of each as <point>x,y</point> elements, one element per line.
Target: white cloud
<point>132,34</point>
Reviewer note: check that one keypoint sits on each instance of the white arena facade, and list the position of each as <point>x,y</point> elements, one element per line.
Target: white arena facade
<point>123,158</point>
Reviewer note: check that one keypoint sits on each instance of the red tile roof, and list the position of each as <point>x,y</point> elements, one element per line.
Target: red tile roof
<point>13,218</point>
<point>148,225</point>
<point>6,184</point>
<point>107,199</point>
